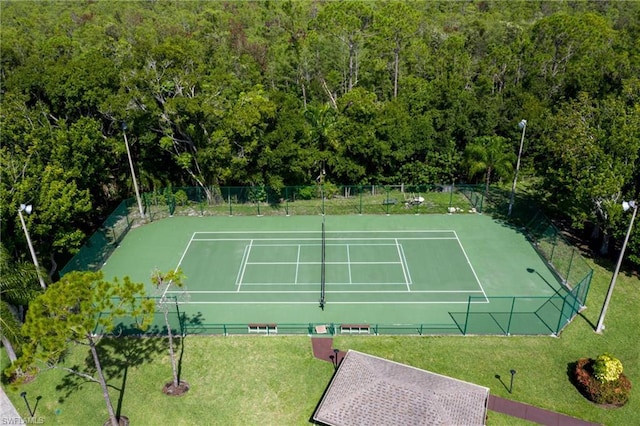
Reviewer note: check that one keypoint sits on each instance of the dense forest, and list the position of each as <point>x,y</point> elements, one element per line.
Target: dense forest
<point>215,93</point>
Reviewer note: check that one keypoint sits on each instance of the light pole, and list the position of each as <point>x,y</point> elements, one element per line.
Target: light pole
<point>133,172</point>
<point>626,206</point>
<point>523,126</point>
<point>29,208</point>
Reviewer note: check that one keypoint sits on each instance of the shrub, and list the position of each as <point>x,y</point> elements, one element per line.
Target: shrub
<point>181,197</point>
<point>610,392</point>
<point>607,368</point>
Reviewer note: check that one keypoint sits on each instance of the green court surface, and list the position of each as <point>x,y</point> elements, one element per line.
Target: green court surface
<point>392,270</point>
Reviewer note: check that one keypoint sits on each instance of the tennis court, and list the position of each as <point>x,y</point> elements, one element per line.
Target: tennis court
<point>359,267</point>
<point>392,271</point>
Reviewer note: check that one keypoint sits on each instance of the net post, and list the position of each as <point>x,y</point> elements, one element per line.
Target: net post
<point>466,320</point>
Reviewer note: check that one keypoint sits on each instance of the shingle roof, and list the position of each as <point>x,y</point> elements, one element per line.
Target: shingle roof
<point>367,390</point>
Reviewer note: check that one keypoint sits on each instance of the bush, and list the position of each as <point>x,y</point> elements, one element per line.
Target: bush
<point>607,368</point>
<point>610,392</point>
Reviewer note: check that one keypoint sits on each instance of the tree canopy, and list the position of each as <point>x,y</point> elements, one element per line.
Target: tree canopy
<point>275,93</point>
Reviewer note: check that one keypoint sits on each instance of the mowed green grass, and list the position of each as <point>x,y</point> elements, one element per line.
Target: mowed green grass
<point>259,380</point>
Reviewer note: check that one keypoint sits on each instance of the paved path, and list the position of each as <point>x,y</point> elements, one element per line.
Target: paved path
<point>322,349</point>
<point>533,414</point>
<point>8,413</point>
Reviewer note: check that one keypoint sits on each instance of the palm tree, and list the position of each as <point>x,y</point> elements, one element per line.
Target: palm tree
<point>321,119</point>
<point>490,155</point>
<point>19,284</point>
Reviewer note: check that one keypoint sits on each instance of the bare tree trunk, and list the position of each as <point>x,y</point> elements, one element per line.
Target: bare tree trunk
<point>11,353</point>
<point>486,185</point>
<point>604,245</point>
<point>172,354</point>
<point>396,72</point>
<point>103,382</point>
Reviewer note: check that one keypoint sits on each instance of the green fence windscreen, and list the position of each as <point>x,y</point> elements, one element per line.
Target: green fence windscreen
<point>503,315</point>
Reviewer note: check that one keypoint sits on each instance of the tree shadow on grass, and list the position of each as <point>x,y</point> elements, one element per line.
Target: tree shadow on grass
<point>117,355</point>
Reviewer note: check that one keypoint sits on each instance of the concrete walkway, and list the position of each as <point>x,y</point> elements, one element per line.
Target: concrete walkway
<point>322,349</point>
<point>8,413</point>
<point>533,414</point>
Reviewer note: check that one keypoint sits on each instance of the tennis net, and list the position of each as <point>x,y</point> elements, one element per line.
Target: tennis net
<point>323,266</point>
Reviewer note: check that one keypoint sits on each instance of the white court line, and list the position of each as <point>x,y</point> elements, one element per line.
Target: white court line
<point>286,284</point>
<point>408,231</point>
<point>349,264</point>
<point>244,266</point>
<point>241,267</point>
<point>333,303</point>
<point>404,257</point>
<point>186,249</point>
<point>327,239</point>
<point>297,265</point>
<point>471,266</point>
<point>184,253</point>
<point>336,291</point>
<point>404,270</point>
<point>326,263</point>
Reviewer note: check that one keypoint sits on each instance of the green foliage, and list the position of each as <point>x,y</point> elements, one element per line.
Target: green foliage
<point>490,156</point>
<point>19,284</point>
<point>607,368</point>
<point>74,309</point>
<point>181,197</point>
<point>252,94</point>
<point>587,376</point>
<point>307,192</point>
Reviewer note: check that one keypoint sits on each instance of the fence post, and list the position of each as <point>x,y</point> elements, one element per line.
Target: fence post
<point>387,202</point>
<point>555,243</point>
<point>513,303</point>
<point>466,320</point>
<point>558,327</point>
<point>126,209</point>
<point>566,280</point>
<point>451,194</point>
<point>286,200</point>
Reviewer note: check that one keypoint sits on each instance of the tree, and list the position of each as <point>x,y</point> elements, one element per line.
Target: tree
<point>395,25</point>
<point>18,286</point>
<point>344,22</point>
<point>489,155</point>
<point>571,53</point>
<point>320,120</point>
<point>80,309</point>
<point>162,282</point>
<point>590,148</point>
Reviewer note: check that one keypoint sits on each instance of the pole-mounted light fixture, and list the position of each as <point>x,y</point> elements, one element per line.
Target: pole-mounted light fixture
<point>625,206</point>
<point>523,126</point>
<point>28,208</point>
<point>133,172</point>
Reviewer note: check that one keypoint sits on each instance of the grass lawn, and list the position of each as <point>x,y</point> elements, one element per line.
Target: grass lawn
<point>260,380</point>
